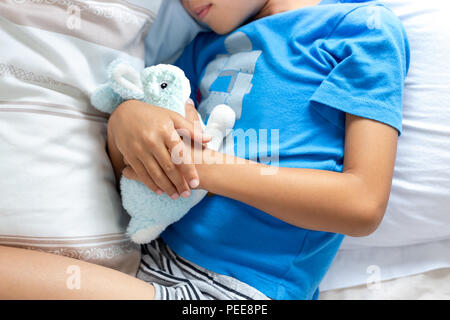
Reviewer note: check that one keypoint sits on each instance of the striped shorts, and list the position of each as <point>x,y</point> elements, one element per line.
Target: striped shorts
<point>175,278</point>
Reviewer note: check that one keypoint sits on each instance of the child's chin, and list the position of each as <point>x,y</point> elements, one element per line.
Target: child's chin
<point>222,29</point>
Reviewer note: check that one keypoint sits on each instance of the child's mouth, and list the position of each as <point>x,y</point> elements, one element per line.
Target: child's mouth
<point>202,11</point>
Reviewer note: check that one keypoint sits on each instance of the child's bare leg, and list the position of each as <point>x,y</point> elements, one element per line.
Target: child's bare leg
<point>27,274</point>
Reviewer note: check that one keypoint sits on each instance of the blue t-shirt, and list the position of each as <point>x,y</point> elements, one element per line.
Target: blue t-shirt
<point>292,75</point>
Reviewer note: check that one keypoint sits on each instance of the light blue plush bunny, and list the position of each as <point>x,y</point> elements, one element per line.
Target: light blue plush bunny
<point>165,86</point>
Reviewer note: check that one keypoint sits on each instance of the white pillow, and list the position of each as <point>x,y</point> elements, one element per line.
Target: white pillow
<point>414,236</point>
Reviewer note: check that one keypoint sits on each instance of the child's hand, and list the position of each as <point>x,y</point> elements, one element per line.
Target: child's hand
<point>144,134</point>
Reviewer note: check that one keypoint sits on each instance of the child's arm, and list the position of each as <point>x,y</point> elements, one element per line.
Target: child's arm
<point>352,202</point>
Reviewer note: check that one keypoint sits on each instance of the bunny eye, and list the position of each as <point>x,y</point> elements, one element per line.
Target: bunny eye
<point>164,85</point>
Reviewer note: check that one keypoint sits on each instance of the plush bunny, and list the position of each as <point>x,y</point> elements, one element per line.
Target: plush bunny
<point>165,86</point>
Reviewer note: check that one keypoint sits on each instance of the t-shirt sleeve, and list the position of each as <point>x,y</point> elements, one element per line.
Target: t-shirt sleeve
<point>370,54</point>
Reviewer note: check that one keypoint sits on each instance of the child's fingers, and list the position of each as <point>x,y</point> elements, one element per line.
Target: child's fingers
<point>140,174</point>
<point>158,175</point>
<point>190,174</point>
<point>129,173</point>
<point>164,158</point>
<point>181,156</point>
<point>193,117</point>
<point>194,130</point>
<point>191,112</point>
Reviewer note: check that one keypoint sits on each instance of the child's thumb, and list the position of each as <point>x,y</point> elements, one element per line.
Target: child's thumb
<point>193,129</point>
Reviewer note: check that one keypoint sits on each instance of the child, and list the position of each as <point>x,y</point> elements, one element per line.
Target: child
<point>328,76</point>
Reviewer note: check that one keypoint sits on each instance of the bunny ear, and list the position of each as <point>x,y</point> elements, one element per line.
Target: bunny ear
<point>129,79</point>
